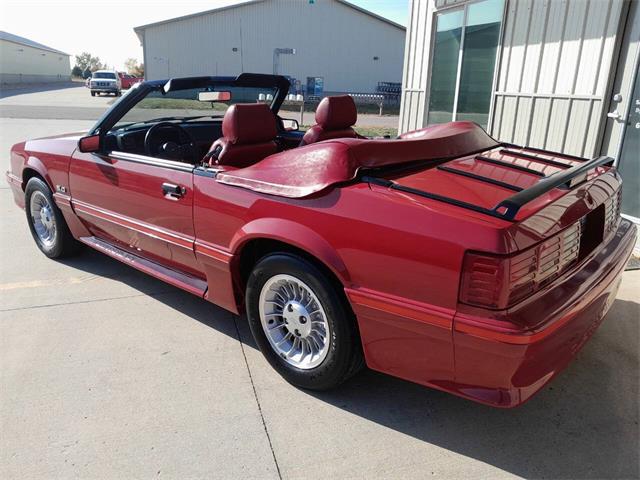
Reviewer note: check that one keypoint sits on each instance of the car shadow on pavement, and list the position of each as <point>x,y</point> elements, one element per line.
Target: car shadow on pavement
<point>583,425</point>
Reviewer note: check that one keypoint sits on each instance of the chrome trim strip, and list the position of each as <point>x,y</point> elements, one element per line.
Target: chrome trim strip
<point>156,162</point>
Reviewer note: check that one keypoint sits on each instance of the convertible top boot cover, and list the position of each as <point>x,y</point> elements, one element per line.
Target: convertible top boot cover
<point>307,170</point>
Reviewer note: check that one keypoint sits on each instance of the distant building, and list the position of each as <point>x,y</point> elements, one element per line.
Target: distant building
<point>324,45</point>
<point>555,74</point>
<point>25,61</point>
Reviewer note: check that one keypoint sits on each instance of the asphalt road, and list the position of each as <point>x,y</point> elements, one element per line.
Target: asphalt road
<point>107,373</point>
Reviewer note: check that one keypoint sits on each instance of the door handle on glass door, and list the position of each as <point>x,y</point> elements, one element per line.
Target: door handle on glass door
<point>173,192</point>
<point>616,116</point>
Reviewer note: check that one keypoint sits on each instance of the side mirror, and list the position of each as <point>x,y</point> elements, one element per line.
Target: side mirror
<point>290,124</point>
<point>89,144</point>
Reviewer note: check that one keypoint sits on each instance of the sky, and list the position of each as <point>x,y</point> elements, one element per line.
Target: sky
<point>75,26</point>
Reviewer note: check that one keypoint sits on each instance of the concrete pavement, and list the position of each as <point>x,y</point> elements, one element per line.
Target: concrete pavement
<point>107,373</point>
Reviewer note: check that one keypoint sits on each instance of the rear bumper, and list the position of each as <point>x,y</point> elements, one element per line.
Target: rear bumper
<point>505,368</point>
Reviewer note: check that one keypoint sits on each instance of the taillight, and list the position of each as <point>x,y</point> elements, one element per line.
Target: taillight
<point>497,282</point>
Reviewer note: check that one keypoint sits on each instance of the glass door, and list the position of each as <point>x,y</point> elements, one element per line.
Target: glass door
<point>463,67</point>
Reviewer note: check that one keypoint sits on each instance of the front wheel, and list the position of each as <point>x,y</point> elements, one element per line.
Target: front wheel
<point>93,94</point>
<point>46,222</point>
<point>301,324</point>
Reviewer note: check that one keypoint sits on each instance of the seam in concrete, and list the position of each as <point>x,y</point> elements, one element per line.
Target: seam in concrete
<point>255,395</point>
<point>80,302</point>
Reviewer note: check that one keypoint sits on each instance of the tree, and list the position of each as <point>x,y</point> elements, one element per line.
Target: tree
<point>134,68</point>
<point>76,71</point>
<point>86,60</point>
<point>87,73</point>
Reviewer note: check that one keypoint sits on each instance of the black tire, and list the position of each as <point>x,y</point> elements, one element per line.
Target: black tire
<point>93,94</point>
<point>344,357</point>
<point>63,244</point>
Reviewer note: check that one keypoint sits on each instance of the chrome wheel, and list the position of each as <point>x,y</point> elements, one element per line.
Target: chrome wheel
<point>44,221</point>
<point>294,321</point>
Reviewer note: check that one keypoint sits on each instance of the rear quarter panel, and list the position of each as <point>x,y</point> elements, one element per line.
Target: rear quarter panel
<point>398,260</point>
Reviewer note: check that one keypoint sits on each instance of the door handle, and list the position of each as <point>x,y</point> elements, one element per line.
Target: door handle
<point>616,116</point>
<point>171,191</point>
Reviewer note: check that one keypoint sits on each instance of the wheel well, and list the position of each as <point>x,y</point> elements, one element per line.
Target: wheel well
<point>256,249</point>
<point>28,174</point>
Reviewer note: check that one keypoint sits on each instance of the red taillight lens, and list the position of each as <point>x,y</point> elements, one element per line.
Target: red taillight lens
<point>498,282</point>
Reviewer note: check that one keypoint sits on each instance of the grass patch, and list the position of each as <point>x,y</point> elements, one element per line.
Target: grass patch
<point>363,108</point>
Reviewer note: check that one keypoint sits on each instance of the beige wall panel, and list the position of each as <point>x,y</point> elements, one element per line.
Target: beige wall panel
<point>537,31</point>
<point>552,45</point>
<point>577,127</point>
<point>539,122</point>
<point>509,106</point>
<point>557,124</point>
<point>518,45</point>
<point>521,125</point>
<point>592,45</point>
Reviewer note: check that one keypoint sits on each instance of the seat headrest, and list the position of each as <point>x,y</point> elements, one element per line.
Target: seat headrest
<point>334,113</point>
<point>248,123</point>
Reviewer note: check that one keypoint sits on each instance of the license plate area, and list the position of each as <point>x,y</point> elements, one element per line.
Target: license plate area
<point>592,231</point>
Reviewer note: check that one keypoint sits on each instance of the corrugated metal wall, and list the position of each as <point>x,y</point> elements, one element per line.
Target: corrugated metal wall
<point>555,66</point>
<point>331,40</point>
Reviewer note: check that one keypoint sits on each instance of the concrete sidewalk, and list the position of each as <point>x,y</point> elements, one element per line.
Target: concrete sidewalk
<point>107,373</point>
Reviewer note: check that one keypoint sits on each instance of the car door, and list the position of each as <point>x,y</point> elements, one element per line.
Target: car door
<point>140,204</point>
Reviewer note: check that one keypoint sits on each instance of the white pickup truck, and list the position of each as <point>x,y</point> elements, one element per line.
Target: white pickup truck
<point>105,81</point>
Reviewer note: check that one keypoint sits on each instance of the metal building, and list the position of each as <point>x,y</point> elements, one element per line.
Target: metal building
<point>25,61</point>
<point>327,45</point>
<point>554,74</point>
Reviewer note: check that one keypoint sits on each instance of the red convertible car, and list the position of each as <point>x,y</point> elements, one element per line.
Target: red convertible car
<point>442,256</point>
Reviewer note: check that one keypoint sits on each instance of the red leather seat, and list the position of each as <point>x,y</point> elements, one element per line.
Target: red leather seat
<point>334,118</point>
<point>248,135</point>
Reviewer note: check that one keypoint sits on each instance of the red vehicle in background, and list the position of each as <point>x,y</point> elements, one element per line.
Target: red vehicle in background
<point>442,256</point>
<point>127,81</point>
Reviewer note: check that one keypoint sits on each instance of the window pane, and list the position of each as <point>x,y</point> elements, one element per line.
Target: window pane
<point>444,67</point>
<point>478,60</point>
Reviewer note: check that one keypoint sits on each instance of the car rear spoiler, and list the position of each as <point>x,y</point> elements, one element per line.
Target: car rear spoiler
<point>508,208</point>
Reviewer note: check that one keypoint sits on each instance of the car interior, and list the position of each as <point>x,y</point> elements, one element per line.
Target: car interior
<point>247,133</point>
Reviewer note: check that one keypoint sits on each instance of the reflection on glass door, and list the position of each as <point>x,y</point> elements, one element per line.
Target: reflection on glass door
<point>629,159</point>
<point>463,67</point>
<point>444,70</point>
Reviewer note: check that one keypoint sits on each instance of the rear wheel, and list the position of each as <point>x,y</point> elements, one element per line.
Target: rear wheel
<point>47,225</point>
<point>301,324</point>
<point>93,94</point>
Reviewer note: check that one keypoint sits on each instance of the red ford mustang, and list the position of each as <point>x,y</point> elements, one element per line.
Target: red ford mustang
<point>442,257</point>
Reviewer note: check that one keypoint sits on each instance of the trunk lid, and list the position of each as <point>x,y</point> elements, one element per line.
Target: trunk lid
<point>508,182</point>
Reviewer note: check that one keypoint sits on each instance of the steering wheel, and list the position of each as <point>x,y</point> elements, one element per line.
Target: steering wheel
<point>183,149</point>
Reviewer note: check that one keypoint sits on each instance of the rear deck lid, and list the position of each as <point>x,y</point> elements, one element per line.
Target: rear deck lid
<point>505,182</point>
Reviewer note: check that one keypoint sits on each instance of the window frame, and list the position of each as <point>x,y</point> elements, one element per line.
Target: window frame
<point>464,7</point>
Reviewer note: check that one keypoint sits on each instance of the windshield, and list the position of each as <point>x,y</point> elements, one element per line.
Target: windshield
<point>104,75</point>
<point>185,104</point>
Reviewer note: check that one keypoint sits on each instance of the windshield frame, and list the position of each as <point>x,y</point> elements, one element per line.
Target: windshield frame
<point>139,91</point>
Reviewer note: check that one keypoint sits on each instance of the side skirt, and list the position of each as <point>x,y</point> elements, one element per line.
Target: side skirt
<point>186,282</point>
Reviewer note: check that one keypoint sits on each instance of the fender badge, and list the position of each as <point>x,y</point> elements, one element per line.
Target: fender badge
<point>61,188</point>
